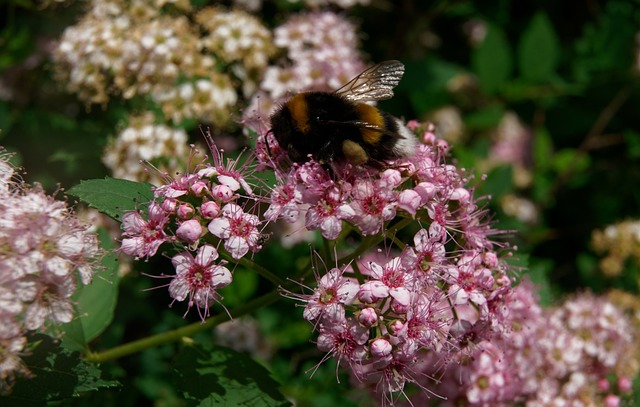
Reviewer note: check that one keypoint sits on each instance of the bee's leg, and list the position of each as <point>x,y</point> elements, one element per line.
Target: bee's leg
<point>354,153</point>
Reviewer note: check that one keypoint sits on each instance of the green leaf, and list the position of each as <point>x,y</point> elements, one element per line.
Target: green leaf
<point>484,118</point>
<point>605,46</point>
<point>499,182</point>
<point>112,196</point>
<point>96,302</point>
<point>210,375</point>
<point>570,159</point>
<point>426,84</point>
<point>492,61</point>
<point>538,51</point>
<point>632,138</point>
<point>245,284</point>
<point>59,374</point>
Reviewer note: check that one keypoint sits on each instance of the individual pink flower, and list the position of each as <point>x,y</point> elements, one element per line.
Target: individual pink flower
<point>392,279</point>
<point>334,291</point>
<point>344,339</point>
<point>232,173</point>
<point>374,202</point>
<point>143,238</point>
<point>238,229</point>
<point>284,203</point>
<point>198,278</point>
<point>327,214</point>
<point>176,188</point>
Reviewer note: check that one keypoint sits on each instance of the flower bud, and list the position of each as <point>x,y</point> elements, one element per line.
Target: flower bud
<point>409,201</point>
<point>189,231</point>
<point>199,188</point>
<point>624,384</point>
<point>368,317</point>
<point>222,192</point>
<point>209,210</point>
<point>612,401</point>
<point>169,205</point>
<point>603,384</point>
<point>380,347</point>
<point>185,211</point>
<point>396,326</point>
<point>372,291</point>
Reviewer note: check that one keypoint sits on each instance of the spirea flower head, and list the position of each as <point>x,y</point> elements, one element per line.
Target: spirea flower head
<point>127,48</point>
<point>434,297</point>
<point>144,140</point>
<point>569,355</point>
<point>197,218</point>
<point>45,252</point>
<point>134,49</point>
<point>236,36</point>
<point>618,243</point>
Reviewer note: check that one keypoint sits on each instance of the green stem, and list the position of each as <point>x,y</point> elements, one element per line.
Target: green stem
<point>177,334</point>
<point>255,267</point>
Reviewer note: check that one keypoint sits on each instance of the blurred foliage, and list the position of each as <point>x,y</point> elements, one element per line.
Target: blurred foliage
<point>569,71</point>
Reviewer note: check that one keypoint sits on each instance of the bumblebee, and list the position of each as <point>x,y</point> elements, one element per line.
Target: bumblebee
<point>333,126</point>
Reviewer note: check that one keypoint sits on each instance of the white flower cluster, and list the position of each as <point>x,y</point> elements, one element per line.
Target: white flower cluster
<point>130,50</point>
<point>236,36</point>
<point>145,140</point>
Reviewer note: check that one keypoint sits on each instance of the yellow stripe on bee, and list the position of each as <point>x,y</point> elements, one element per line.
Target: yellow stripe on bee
<point>299,110</point>
<point>371,115</point>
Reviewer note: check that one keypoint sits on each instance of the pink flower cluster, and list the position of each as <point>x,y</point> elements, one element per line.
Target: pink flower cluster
<point>437,295</point>
<point>420,187</point>
<point>577,354</point>
<point>44,250</point>
<point>197,213</point>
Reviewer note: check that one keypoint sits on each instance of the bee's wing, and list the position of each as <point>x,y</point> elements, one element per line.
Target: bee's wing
<point>375,83</point>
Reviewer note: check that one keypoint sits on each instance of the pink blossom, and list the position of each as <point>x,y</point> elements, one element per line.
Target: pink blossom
<point>327,214</point>
<point>395,278</point>
<point>144,237</point>
<point>229,172</point>
<point>285,203</point>
<point>197,278</point>
<point>344,339</point>
<point>373,203</point>
<point>177,187</point>
<point>329,299</point>
<point>238,230</point>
